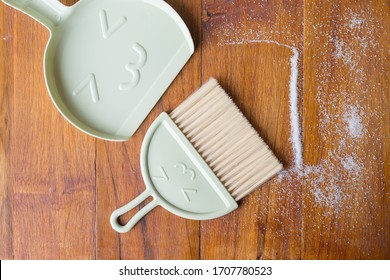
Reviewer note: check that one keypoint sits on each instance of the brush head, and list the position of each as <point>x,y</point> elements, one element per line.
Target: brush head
<point>226,140</point>
<point>200,160</point>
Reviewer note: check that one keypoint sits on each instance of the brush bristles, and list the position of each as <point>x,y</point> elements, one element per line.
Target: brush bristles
<point>226,140</point>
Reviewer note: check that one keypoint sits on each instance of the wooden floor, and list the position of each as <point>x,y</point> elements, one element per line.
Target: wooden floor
<point>59,186</point>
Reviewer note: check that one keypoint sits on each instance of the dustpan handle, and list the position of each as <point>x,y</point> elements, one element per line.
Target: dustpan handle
<point>129,206</point>
<point>48,12</point>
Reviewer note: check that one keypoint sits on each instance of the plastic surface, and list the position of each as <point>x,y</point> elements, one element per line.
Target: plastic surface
<point>177,178</point>
<point>109,61</point>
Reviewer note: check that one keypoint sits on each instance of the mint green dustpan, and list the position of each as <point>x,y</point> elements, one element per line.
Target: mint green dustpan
<point>177,178</point>
<point>108,62</point>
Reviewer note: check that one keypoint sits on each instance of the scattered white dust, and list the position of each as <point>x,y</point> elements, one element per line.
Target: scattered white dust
<point>350,165</point>
<point>295,137</point>
<point>295,128</point>
<point>353,121</point>
<point>341,175</point>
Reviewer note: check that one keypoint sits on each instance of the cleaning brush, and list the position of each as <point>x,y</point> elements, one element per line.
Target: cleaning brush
<point>200,159</point>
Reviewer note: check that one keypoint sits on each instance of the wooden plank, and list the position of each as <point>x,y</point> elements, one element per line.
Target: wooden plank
<point>346,136</point>
<point>6,71</point>
<point>248,46</point>
<point>160,235</point>
<point>51,194</point>
<point>334,207</point>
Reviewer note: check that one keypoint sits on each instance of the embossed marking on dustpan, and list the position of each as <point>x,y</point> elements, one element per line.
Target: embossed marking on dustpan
<point>108,62</point>
<point>177,178</point>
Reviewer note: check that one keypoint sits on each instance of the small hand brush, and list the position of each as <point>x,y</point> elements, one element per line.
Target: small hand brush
<point>201,159</point>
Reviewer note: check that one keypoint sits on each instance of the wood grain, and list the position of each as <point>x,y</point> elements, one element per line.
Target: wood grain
<point>6,71</point>
<point>347,77</point>
<point>162,235</point>
<point>58,186</point>
<point>252,64</point>
<point>51,173</point>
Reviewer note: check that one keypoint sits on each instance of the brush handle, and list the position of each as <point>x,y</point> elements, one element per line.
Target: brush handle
<point>128,207</point>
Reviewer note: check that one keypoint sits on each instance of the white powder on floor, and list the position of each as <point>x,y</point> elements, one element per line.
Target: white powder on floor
<point>295,128</point>
<point>331,184</point>
<point>345,53</point>
<point>350,165</point>
<point>353,121</point>
<point>294,114</point>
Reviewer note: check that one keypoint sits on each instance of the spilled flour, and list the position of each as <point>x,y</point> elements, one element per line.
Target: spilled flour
<point>294,114</point>
<point>353,121</point>
<point>344,173</point>
<point>295,128</point>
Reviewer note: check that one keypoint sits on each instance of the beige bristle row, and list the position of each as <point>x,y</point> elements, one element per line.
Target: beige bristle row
<point>226,140</point>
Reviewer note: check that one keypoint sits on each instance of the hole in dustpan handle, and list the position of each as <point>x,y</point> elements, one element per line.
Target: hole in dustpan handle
<point>48,12</point>
<point>129,206</point>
